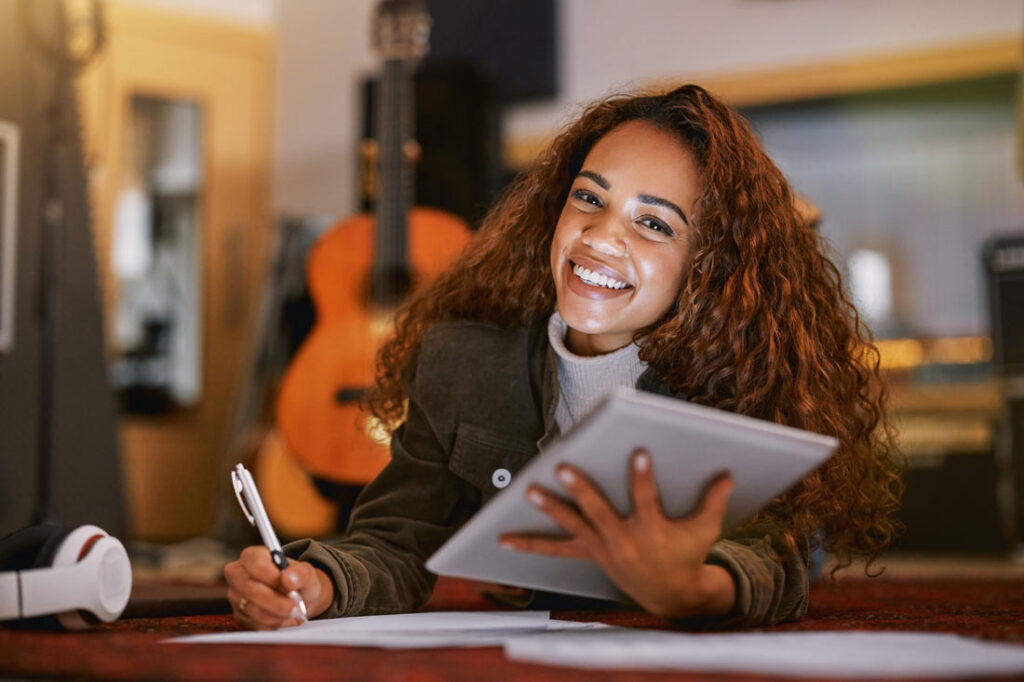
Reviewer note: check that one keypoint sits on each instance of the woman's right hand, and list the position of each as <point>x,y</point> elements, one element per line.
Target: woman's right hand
<point>258,590</point>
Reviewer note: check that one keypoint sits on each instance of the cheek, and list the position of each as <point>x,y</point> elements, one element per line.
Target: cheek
<point>663,276</point>
<point>560,240</point>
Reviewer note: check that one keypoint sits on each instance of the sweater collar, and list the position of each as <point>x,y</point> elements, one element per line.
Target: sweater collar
<point>544,376</point>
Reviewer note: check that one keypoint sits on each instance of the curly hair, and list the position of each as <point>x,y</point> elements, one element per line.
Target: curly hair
<point>761,327</point>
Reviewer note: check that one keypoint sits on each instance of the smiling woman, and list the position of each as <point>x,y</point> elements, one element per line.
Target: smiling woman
<point>622,242</point>
<point>653,245</point>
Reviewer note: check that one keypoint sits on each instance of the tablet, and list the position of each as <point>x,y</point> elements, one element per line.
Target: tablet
<point>689,444</point>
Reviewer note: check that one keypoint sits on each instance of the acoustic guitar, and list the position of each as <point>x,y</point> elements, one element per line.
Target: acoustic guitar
<point>359,271</point>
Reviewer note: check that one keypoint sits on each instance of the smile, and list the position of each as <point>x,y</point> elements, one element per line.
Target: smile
<point>597,279</point>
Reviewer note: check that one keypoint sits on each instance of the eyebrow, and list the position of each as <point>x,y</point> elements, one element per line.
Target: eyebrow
<point>603,183</point>
<point>599,179</point>
<point>658,201</point>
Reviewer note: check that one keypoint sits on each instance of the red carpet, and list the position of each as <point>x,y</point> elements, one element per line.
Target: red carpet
<point>132,648</point>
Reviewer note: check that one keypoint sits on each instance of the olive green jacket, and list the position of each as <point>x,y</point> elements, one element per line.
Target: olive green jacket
<point>482,398</point>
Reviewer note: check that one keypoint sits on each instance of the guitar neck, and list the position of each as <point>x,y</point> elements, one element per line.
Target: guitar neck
<point>394,126</point>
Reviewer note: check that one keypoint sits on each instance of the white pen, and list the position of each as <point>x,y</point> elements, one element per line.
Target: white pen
<point>252,506</point>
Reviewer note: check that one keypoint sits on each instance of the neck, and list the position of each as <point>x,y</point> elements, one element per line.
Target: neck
<point>589,345</point>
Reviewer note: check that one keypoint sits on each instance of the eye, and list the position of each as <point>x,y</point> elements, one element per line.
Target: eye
<point>657,225</point>
<point>586,196</point>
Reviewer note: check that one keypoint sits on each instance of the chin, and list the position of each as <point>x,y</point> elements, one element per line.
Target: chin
<point>581,321</point>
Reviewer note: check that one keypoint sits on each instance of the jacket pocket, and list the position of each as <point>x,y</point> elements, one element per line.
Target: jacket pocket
<point>487,459</point>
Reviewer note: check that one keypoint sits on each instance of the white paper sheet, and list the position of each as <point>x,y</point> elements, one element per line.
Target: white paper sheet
<point>857,654</point>
<point>406,631</point>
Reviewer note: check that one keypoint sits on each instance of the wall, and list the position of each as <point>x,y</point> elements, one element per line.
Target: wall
<point>255,12</point>
<point>604,45</point>
<point>608,44</point>
<point>922,175</point>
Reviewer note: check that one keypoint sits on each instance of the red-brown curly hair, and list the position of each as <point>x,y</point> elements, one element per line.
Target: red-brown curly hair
<point>761,327</point>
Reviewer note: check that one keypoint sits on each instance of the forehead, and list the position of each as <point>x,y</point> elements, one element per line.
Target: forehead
<point>639,156</point>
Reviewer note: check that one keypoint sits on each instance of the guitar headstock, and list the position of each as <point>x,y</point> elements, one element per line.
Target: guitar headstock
<point>401,29</point>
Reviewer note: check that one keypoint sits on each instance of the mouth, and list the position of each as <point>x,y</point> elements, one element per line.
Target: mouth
<point>598,277</point>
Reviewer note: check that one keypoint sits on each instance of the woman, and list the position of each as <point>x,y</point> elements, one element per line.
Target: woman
<point>654,245</point>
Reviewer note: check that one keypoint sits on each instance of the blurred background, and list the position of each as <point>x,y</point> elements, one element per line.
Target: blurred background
<point>177,160</point>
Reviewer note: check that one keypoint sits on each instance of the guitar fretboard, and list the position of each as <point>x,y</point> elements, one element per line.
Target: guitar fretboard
<point>394,128</point>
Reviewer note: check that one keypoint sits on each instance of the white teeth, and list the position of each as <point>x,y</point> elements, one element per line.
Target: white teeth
<point>597,279</point>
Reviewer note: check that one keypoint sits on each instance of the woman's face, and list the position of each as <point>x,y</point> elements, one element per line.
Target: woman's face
<point>621,247</point>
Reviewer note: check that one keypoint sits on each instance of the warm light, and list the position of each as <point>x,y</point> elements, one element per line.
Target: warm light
<point>910,353</point>
<point>901,353</point>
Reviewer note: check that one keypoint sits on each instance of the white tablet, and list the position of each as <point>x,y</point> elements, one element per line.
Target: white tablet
<point>688,444</point>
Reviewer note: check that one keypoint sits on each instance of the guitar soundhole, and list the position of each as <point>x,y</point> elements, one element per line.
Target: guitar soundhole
<point>389,286</point>
<point>346,394</point>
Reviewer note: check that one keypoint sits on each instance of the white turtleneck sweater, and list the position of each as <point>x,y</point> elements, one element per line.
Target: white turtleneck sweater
<point>585,380</point>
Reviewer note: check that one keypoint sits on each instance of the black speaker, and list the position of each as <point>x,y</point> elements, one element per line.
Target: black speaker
<point>1010,456</point>
<point>952,504</point>
<point>1004,268</point>
<point>458,128</point>
<point>1004,265</point>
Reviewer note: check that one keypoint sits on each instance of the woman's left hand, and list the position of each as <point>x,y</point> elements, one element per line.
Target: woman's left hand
<point>657,561</point>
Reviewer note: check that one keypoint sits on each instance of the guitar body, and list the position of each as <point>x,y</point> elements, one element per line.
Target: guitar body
<point>317,409</point>
<point>294,505</point>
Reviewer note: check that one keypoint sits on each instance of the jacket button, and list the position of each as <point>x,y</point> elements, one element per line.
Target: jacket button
<point>501,478</point>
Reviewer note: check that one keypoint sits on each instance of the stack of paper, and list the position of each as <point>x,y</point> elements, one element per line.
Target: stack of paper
<point>858,654</point>
<point>426,630</point>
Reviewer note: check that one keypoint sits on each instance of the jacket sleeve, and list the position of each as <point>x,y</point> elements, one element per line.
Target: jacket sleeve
<point>400,519</point>
<point>769,589</point>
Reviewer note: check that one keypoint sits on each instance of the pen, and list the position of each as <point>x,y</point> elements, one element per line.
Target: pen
<point>252,506</point>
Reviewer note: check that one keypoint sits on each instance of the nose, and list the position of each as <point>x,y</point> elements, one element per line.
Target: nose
<point>607,236</point>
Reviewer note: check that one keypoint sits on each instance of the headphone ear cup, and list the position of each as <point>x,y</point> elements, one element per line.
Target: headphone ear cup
<point>21,549</point>
<point>71,549</point>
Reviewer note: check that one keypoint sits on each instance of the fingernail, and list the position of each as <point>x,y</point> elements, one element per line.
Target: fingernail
<point>566,476</point>
<point>535,498</point>
<point>292,579</point>
<point>506,544</point>
<point>642,462</point>
<point>297,614</point>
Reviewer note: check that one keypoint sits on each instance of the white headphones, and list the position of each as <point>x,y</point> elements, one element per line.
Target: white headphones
<point>79,575</point>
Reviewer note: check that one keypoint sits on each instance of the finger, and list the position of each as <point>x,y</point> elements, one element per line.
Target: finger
<point>646,500</point>
<point>244,621</point>
<point>568,519</point>
<point>549,545</point>
<point>594,506</point>
<point>243,611</point>
<point>260,566</point>
<point>259,591</point>
<point>301,576</point>
<point>711,511</point>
